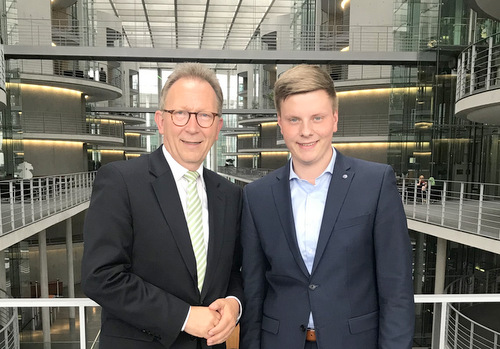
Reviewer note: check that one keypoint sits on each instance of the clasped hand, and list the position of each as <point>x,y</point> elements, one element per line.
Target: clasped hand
<point>215,322</point>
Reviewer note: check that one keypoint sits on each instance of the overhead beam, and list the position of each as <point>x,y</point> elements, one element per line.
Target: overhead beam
<point>147,54</point>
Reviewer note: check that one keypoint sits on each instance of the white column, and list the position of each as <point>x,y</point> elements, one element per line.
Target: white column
<point>71,273</point>
<point>440,266</point>
<point>437,331</point>
<point>317,25</point>
<point>44,286</point>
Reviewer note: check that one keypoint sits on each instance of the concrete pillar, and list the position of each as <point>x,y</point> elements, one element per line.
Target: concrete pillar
<point>437,331</point>
<point>71,273</point>
<point>440,266</point>
<point>3,274</point>
<point>44,286</point>
<point>317,25</point>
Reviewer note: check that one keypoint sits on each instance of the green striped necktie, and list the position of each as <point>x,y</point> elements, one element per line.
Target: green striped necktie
<point>195,226</point>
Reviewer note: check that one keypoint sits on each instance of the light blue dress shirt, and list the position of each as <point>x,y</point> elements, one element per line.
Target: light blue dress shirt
<point>308,205</point>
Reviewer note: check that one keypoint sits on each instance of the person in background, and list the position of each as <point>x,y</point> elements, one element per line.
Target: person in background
<point>327,260</point>
<point>102,75</point>
<point>161,235</point>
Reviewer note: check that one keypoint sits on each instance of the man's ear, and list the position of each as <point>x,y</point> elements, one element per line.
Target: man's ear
<point>159,118</point>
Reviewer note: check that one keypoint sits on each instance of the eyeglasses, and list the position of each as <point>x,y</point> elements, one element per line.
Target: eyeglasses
<point>181,117</point>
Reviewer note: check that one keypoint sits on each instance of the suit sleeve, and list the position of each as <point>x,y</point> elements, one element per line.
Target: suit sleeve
<point>393,266</point>
<point>235,287</point>
<point>254,266</point>
<point>107,263</point>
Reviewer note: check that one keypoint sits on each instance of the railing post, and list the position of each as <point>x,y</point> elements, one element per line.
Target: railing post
<point>23,209</point>
<point>403,190</point>
<point>32,203</point>
<point>442,325</point>
<point>461,205</point>
<point>414,198</point>
<point>471,339</point>
<point>83,337</point>
<point>47,185</point>
<point>480,208</point>
<point>6,338</point>
<point>443,202</point>
<point>472,73</point>
<point>40,196</point>
<point>428,201</point>
<point>488,71</point>
<point>12,197</point>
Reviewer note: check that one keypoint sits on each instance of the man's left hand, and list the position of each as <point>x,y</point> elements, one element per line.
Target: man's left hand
<point>229,310</point>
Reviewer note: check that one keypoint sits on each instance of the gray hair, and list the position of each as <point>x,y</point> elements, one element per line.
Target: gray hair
<point>195,71</point>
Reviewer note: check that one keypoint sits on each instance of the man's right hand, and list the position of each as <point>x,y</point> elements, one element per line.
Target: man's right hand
<point>200,321</point>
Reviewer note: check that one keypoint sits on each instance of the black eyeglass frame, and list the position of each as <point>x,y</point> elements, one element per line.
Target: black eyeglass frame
<point>171,112</point>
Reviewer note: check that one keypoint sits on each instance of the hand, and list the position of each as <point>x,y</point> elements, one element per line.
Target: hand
<point>229,309</point>
<point>201,320</point>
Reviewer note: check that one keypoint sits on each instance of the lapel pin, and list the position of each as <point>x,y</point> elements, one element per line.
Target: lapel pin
<point>344,176</point>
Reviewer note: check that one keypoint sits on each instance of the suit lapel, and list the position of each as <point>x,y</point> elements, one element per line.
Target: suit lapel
<point>283,203</point>
<point>216,204</point>
<point>337,192</point>
<point>168,198</point>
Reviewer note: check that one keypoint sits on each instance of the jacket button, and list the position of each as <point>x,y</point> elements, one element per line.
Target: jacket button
<point>302,328</point>
<point>312,287</point>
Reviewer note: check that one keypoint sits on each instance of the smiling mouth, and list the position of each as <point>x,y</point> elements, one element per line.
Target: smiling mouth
<point>308,144</point>
<point>192,142</point>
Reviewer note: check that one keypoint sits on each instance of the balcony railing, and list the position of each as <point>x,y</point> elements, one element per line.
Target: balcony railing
<point>442,336</point>
<point>67,124</point>
<point>479,67</point>
<point>24,202</point>
<point>88,70</point>
<point>465,206</point>
<point>43,32</point>
<point>463,332</point>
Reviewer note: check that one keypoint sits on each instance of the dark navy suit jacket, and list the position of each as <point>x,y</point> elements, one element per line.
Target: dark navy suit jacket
<point>138,261</point>
<point>360,290</point>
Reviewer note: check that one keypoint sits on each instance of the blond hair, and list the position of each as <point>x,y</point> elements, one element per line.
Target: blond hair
<point>302,79</point>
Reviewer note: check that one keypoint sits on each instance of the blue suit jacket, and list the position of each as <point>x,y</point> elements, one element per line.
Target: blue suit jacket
<point>360,289</point>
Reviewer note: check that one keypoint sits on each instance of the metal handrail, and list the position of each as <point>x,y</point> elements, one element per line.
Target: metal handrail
<point>26,201</point>
<point>88,70</point>
<point>478,68</point>
<point>444,300</point>
<point>44,32</point>
<point>70,124</point>
<point>466,206</point>
<point>9,325</point>
<point>462,331</point>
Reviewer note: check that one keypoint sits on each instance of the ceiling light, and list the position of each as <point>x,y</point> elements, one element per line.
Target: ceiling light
<point>344,3</point>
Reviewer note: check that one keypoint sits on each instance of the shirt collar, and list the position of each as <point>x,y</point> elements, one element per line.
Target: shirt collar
<point>178,171</point>
<point>328,168</point>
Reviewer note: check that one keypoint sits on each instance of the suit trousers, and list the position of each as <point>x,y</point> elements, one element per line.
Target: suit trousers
<point>311,345</point>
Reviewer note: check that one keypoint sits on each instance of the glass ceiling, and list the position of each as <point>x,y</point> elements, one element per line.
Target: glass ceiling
<point>192,24</point>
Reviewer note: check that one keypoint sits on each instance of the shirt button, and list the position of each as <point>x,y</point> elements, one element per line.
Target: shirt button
<point>312,287</point>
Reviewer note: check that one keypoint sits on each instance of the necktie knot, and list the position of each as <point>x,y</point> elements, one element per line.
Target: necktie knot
<point>191,176</point>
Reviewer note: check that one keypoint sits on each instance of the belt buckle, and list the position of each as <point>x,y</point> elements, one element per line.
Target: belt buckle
<point>310,335</point>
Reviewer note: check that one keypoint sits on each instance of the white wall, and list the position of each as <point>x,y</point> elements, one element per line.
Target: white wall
<point>34,25</point>
<point>375,18</point>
